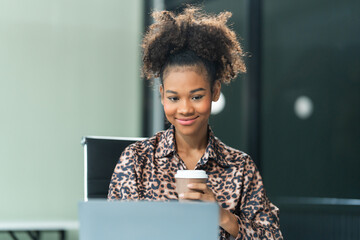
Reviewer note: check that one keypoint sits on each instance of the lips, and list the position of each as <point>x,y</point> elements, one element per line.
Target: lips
<point>186,121</point>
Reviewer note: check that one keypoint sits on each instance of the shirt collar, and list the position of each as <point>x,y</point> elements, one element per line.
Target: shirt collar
<point>213,150</point>
<point>166,144</point>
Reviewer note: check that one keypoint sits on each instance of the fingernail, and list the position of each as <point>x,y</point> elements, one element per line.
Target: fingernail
<point>190,185</point>
<point>181,195</point>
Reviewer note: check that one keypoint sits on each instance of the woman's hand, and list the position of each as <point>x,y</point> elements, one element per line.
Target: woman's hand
<point>228,221</point>
<point>200,192</point>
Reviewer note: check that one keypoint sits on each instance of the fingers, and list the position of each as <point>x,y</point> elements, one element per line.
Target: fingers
<point>199,192</point>
<point>201,187</point>
<point>191,196</point>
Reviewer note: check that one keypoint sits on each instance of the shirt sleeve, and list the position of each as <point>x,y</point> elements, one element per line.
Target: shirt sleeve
<point>123,184</point>
<point>256,215</point>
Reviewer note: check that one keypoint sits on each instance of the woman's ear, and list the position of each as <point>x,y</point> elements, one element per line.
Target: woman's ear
<point>216,91</point>
<point>161,89</point>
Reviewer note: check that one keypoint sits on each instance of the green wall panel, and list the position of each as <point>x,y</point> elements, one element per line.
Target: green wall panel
<point>311,48</point>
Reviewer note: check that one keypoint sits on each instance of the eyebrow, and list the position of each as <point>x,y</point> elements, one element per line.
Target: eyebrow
<point>192,91</point>
<point>196,90</point>
<point>170,91</point>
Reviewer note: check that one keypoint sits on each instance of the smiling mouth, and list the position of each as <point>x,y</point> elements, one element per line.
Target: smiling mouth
<point>186,122</point>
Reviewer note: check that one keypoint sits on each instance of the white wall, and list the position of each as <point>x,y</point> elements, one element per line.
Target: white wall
<point>68,68</point>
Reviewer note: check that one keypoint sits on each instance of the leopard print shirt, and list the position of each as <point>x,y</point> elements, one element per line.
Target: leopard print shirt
<point>146,171</point>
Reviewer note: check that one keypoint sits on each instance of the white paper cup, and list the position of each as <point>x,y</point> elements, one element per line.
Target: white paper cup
<point>184,177</point>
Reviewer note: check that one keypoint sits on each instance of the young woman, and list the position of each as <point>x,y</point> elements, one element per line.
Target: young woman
<point>193,53</point>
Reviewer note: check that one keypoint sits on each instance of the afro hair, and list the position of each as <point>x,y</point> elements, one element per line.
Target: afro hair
<point>208,36</point>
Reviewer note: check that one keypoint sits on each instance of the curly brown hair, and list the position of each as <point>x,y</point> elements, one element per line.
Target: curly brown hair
<point>208,36</point>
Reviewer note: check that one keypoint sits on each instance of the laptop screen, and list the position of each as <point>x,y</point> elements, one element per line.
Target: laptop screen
<point>135,220</point>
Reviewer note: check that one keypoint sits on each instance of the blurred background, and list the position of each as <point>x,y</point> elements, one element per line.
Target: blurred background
<point>72,68</point>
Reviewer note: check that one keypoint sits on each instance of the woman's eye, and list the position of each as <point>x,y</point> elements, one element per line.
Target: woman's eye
<point>173,99</point>
<point>198,97</point>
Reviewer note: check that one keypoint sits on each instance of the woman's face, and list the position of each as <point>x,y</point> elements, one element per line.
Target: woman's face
<point>186,96</point>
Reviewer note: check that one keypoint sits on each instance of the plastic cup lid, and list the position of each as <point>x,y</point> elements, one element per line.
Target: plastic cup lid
<point>191,174</point>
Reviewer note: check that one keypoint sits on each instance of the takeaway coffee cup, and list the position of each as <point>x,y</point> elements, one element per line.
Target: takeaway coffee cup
<point>184,177</point>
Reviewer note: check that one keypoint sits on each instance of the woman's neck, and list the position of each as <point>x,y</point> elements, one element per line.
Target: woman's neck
<point>192,143</point>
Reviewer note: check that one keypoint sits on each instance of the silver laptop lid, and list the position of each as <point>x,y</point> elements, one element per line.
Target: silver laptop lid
<point>130,220</point>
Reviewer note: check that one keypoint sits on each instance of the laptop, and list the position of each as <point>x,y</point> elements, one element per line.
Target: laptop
<point>135,220</point>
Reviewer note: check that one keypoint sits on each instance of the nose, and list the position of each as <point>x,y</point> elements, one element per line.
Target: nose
<point>186,108</point>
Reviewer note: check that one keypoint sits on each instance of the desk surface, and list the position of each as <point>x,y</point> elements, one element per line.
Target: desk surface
<point>38,225</point>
